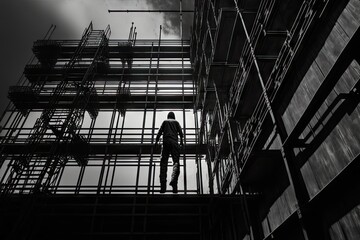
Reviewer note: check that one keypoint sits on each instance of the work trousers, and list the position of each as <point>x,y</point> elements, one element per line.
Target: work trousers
<point>170,146</point>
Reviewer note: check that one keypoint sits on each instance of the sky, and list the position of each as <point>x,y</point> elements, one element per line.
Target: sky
<point>25,21</point>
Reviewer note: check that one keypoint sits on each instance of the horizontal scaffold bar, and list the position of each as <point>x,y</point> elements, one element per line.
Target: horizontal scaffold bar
<point>150,11</point>
<point>102,148</point>
<point>109,101</point>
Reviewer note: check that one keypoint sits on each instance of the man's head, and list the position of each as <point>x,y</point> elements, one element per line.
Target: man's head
<point>171,115</point>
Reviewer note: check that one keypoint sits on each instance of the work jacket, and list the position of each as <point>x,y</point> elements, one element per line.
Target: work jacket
<point>170,128</point>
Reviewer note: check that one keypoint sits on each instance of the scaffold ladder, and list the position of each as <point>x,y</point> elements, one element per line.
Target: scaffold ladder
<point>64,124</point>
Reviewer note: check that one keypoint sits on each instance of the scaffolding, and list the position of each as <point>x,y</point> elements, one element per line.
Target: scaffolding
<point>267,94</point>
<point>81,123</point>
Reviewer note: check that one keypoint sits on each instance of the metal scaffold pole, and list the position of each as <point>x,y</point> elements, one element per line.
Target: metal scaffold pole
<point>154,113</point>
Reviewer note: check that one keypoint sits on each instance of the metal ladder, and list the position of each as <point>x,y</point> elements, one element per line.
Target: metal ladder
<point>64,123</point>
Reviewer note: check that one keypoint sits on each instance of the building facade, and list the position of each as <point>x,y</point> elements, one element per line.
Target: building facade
<point>277,87</point>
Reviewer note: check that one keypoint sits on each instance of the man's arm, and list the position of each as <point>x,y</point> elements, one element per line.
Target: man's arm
<point>160,132</point>
<point>180,134</point>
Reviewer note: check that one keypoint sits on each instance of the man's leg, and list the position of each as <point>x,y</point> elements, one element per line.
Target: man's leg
<point>163,167</point>
<point>175,154</point>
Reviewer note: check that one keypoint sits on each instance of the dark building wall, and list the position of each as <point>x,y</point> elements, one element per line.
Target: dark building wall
<point>287,132</point>
<point>342,145</point>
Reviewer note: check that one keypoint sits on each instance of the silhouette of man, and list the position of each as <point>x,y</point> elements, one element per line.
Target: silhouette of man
<point>170,128</point>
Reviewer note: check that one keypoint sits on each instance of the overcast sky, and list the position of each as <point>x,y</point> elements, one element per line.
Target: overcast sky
<point>24,21</point>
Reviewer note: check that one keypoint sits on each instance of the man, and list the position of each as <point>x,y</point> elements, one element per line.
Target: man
<point>170,128</point>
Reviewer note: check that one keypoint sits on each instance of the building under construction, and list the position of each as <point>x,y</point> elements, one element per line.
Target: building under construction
<point>267,93</point>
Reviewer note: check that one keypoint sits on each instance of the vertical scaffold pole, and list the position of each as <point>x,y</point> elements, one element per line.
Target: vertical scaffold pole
<point>154,115</point>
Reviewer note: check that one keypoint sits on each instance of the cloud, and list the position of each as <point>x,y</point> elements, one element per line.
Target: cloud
<point>171,22</point>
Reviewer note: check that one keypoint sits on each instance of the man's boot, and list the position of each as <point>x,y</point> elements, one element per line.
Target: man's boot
<point>163,187</point>
<point>174,186</point>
